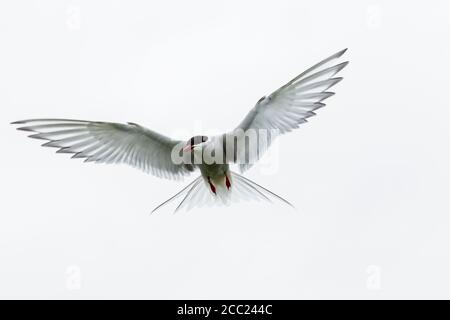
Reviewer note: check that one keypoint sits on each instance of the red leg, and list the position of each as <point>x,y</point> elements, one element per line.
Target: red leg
<point>213,188</point>
<point>227,182</point>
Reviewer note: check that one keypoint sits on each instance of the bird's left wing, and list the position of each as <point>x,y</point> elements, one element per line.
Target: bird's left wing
<point>285,109</point>
<point>107,142</point>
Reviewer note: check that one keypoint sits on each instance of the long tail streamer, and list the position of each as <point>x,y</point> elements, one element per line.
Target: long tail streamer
<point>198,194</point>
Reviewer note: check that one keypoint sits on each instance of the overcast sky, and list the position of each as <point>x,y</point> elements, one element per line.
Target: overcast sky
<point>369,175</point>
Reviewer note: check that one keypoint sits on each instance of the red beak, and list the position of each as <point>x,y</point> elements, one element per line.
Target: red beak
<point>188,148</point>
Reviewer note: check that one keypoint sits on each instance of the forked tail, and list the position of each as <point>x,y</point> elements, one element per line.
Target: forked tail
<point>198,194</point>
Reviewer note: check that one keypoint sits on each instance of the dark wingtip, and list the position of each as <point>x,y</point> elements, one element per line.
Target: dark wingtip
<point>25,129</point>
<point>343,51</point>
<point>340,53</point>
<point>18,122</point>
<point>37,136</point>
<point>342,65</point>
<point>63,150</point>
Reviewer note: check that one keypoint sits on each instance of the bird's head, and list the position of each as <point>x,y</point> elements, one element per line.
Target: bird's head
<point>195,143</point>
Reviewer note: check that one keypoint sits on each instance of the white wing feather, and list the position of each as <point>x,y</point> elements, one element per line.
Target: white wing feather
<point>289,106</point>
<point>106,142</point>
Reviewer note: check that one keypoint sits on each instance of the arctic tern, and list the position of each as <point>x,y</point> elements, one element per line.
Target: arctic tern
<point>277,113</point>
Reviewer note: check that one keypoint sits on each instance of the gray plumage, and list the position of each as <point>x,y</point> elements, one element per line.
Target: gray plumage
<point>277,113</point>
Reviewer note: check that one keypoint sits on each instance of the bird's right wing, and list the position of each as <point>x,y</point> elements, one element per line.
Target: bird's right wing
<point>285,109</point>
<point>107,142</point>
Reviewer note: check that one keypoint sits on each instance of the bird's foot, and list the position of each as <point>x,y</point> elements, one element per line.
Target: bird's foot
<point>213,188</point>
<point>227,182</point>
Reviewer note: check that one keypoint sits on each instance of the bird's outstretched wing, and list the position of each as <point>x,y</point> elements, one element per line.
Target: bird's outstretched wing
<point>106,142</point>
<point>286,108</point>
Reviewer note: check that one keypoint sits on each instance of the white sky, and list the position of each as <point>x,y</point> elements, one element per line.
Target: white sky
<point>369,175</point>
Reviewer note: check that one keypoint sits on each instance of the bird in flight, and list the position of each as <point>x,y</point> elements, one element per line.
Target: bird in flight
<point>275,114</point>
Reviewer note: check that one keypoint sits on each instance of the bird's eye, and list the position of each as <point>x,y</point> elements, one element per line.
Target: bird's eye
<point>262,98</point>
